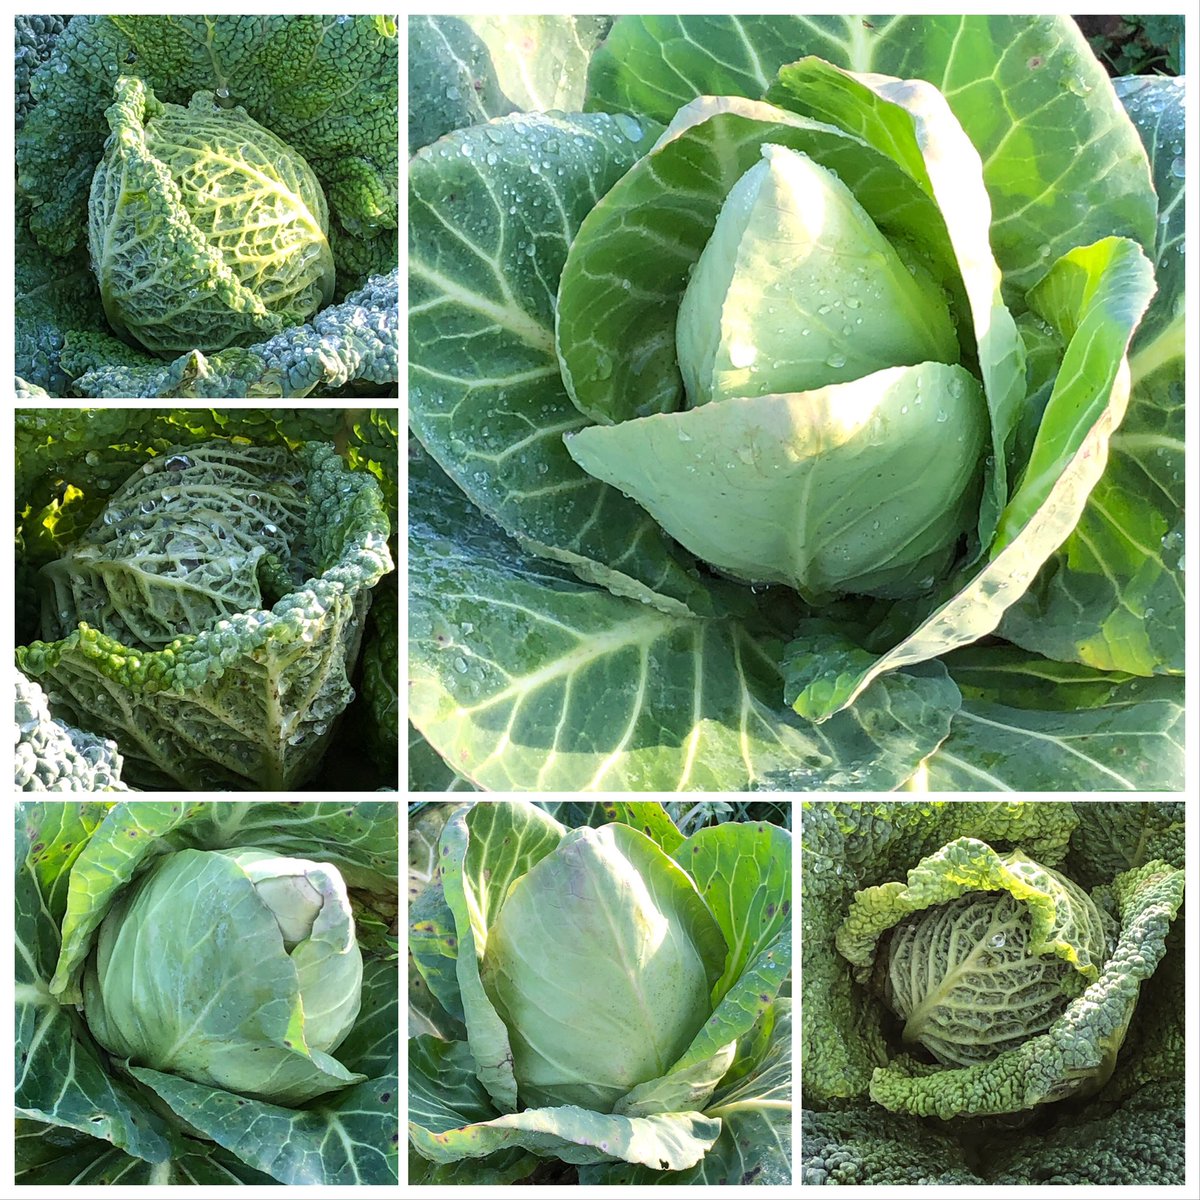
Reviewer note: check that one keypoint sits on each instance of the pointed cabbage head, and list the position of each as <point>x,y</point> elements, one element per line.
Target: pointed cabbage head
<point>602,964</point>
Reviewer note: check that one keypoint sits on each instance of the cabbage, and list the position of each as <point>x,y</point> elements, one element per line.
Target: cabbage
<point>235,968</point>
<point>205,229</point>
<point>596,1005</point>
<point>613,996</point>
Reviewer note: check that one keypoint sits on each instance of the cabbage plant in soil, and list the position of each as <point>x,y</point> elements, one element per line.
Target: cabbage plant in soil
<point>993,992</point>
<point>201,596</point>
<point>798,403</point>
<point>606,1003</point>
<point>206,205</point>
<point>206,994</point>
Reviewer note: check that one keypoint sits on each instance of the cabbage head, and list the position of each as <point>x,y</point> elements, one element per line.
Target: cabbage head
<point>973,978</point>
<point>234,968</point>
<point>824,361</point>
<point>993,993</point>
<point>205,229</point>
<point>210,617</point>
<point>648,976</point>
<point>614,996</point>
<point>993,962</point>
<point>206,992</point>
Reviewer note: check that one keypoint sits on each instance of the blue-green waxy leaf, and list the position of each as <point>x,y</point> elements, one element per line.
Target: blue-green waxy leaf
<point>685,703</point>
<point>1112,596</point>
<point>1094,297</point>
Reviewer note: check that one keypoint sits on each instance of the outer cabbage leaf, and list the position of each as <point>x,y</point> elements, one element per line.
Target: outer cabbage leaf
<point>1112,596</point>
<point>347,348</point>
<point>1066,924</point>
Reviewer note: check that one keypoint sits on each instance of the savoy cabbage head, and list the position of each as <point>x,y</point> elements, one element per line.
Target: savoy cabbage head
<point>207,206</point>
<point>244,214</point>
<point>197,586</point>
<point>992,992</point>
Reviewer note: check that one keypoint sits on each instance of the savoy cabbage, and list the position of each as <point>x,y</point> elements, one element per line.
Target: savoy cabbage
<point>244,211</point>
<point>993,992</point>
<point>207,206</point>
<point>52,756</point>
<point>196,587</point>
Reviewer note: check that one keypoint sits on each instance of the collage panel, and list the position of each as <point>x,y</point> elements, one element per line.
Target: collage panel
<point>993,993</point>
<point>600,994</point>
<point>206,994</point>
<point>206,599</point>
<point>207,206</point>
<point>797,402</point>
